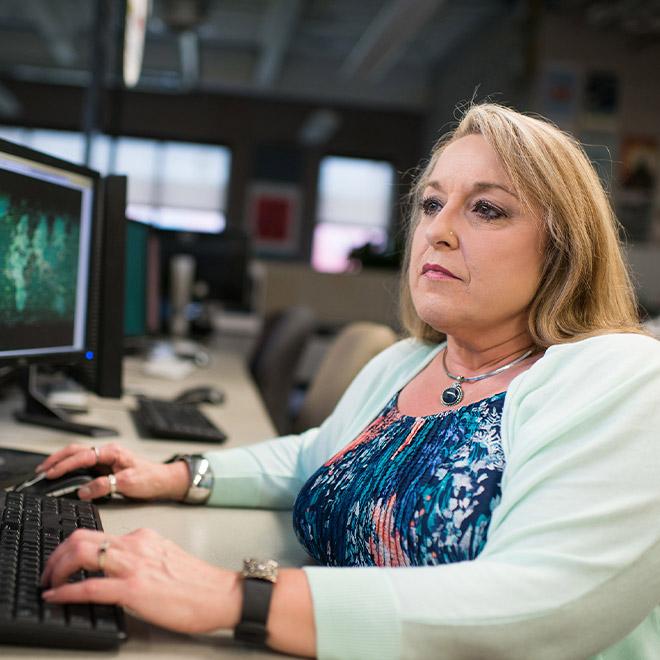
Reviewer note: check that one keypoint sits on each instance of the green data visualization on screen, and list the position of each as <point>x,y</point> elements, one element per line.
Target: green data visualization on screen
<point>40,226</point>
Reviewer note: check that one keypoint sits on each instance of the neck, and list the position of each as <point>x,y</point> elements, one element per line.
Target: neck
<point>469,358</point>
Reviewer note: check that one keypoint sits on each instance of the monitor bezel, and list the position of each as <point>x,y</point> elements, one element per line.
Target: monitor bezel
<point>64,357</point>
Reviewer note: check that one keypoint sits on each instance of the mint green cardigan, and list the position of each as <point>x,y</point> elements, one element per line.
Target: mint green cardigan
<point>571,568</point>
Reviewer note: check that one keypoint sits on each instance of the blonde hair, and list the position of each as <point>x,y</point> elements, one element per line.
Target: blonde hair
<point>584,288</point>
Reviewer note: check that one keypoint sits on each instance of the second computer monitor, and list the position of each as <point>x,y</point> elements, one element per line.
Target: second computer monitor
<point>220,265</point>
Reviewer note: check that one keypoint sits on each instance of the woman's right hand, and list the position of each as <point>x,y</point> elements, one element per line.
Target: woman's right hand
<point>136,477</point>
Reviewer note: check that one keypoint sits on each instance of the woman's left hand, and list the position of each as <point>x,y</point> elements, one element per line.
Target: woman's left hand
<point>147,574</point>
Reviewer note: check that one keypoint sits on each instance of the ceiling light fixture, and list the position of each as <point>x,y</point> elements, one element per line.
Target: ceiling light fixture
<point>135,29</point>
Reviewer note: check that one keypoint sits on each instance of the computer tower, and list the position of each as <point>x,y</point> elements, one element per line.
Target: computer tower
<point>101,372</point>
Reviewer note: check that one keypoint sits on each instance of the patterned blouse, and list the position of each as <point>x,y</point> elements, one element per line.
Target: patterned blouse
<point>408,491</point>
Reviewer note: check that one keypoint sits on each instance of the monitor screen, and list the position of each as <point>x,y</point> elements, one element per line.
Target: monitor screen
<point>46,215</point>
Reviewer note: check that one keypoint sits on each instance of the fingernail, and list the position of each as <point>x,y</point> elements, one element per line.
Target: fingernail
<point>84,492</point>
<point>38,468</point>
<point>48,594</point>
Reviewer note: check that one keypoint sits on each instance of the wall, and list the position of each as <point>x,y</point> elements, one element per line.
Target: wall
<point>245,124</point>
<point>508,65</point>
<point>577,47</point>
<point>335,299</point>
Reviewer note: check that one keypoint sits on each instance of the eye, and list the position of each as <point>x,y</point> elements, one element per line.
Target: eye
<point>488,211</point>
<point>431,205</point>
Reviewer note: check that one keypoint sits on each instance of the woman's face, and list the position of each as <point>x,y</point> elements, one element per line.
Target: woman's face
<point>476,257</point>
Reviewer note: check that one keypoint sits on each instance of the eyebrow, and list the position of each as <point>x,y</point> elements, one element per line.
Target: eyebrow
<point>479,186</point>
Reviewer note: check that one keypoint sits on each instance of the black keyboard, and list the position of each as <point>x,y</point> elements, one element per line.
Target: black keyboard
<point>178,421</point>
<point>30,529</point>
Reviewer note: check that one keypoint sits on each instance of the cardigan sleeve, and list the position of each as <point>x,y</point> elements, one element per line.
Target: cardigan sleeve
<point>572,561</point>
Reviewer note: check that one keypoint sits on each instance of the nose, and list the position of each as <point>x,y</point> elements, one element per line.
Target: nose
<point>441,231</point>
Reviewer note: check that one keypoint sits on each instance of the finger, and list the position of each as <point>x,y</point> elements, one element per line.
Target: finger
<point>88,557</point>
<point>84,458</point>
<point>106,591</point>
<point>107,455</point>
<point>99,487</point>
<point>84,556</point>
<point>57,456</point>
<point>68,546</point>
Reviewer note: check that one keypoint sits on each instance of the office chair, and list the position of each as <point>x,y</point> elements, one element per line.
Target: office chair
<point>279,348</point>
<point>354,346</point>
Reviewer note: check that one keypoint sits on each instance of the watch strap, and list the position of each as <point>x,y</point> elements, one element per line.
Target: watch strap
<point>254,614</point>
<point>200,477</point>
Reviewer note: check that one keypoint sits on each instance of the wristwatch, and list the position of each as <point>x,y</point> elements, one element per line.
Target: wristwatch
<point>259,578</point>
<point>200,484</point>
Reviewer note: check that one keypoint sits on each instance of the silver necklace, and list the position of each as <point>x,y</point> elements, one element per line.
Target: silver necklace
<point>453,394</point>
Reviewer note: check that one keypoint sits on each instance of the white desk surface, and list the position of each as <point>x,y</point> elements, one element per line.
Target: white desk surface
<point>220,536</point>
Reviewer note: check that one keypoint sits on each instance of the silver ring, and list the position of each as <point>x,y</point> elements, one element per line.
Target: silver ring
<point>112,480</point>
<point>102,552</point>
<point>97,453</point>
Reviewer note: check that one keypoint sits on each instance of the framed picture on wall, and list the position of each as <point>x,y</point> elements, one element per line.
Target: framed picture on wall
<point>274,218</point>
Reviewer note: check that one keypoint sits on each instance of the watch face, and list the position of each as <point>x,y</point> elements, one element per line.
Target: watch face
<point>260,569</point>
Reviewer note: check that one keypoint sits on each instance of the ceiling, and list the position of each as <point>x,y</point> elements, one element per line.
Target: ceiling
<point>350,51</point>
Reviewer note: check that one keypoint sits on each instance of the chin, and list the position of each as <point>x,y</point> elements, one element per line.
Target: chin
<point>439,319</point>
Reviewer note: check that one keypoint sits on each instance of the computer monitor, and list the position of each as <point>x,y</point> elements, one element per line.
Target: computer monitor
<point>49,217</point>
<point>220,266</point>
<point>101,372</point>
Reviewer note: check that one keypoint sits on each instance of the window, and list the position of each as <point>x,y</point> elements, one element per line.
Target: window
<point>354,208</point>
<point>173,185</point>
<point>62,144</point>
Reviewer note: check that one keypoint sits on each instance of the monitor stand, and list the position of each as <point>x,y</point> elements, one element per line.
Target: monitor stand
<point>37,411</point>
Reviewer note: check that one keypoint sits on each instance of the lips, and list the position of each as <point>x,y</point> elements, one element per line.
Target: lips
<point>437,271</point>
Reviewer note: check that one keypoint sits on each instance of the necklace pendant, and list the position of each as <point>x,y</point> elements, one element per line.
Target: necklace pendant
<point>452,395</point>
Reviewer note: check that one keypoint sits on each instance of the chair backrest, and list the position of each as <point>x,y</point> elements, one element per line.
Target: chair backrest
<point>277,353</point>
<point>354,346</point>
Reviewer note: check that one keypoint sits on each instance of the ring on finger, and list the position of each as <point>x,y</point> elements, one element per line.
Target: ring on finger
<point>112,480</point>
<point>102,552</point>
<point>97,453</point>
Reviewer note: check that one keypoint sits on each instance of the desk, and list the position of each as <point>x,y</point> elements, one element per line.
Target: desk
<point>220,536</point>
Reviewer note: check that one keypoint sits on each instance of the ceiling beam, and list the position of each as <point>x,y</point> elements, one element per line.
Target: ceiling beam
<point>53,27</point>
<point>277,29</point>
<point>385,39</point>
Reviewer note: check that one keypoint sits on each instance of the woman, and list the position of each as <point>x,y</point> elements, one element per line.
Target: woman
<point>504,482</point>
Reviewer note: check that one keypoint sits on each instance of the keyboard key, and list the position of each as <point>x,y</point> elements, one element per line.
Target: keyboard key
<point>54,614</point>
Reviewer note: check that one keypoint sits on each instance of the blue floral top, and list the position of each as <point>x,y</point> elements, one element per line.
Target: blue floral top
<point>408,491</point>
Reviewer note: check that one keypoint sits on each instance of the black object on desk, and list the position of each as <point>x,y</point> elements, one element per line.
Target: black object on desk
<point>17,468</point>
<point>31,527</point>
<point>155,418</point>
<point>203,394</point>
<point>37,411</point>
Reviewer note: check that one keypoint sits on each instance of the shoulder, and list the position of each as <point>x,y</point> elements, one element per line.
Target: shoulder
<point>603,358</point>
<point>600,375</point>
<point>625,348</point>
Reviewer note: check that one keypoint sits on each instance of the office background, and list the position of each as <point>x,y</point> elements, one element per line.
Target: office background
<point>301,122</point>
